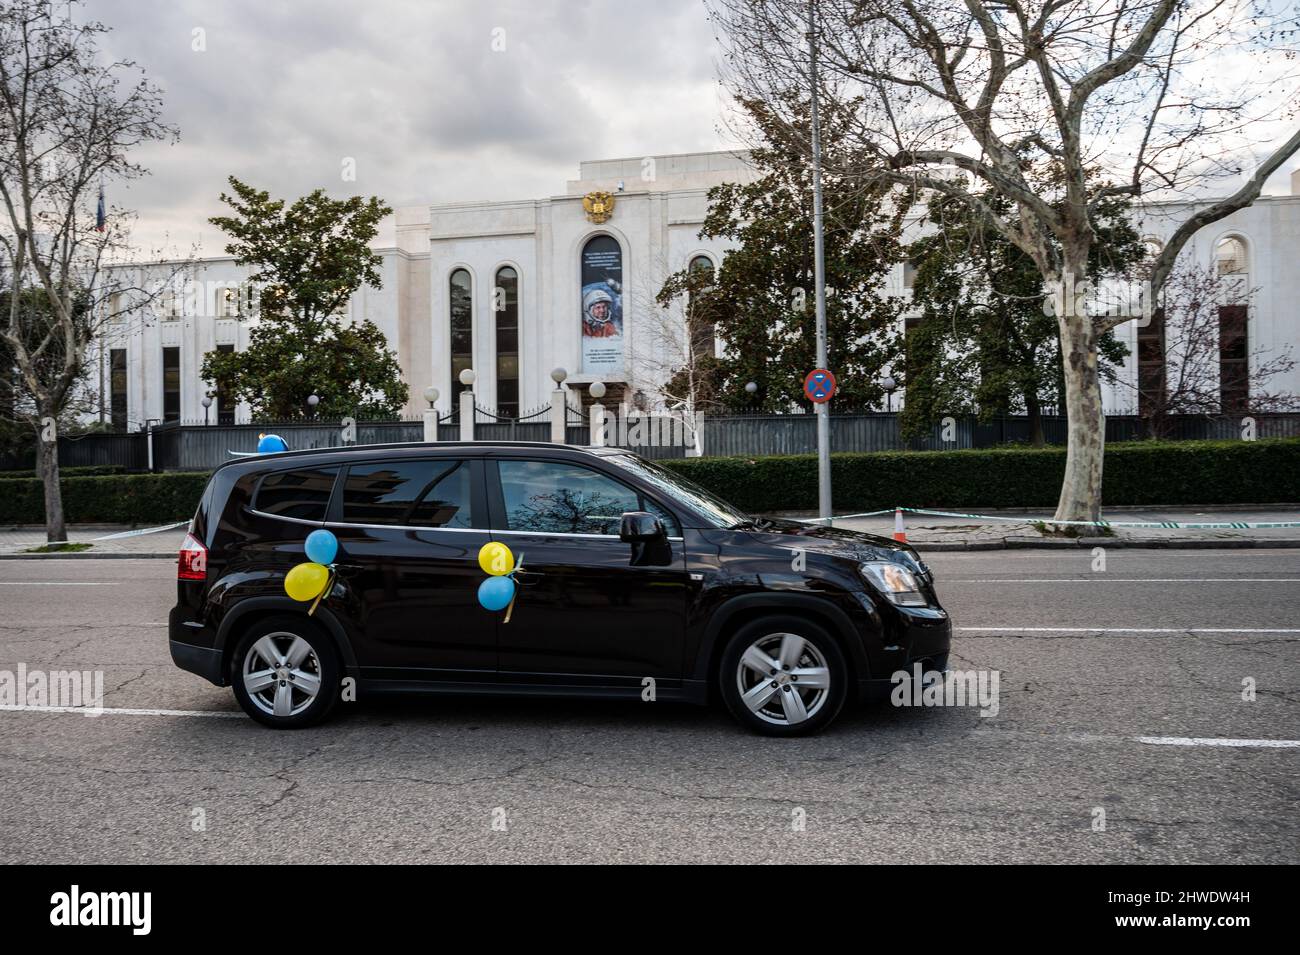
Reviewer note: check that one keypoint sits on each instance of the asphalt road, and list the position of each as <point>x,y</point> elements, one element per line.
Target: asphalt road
<point>1091,664</point>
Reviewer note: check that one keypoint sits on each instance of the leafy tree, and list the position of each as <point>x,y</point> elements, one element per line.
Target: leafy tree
<point>761,299</point>
<point>310,257</point>
<point>983,342</point>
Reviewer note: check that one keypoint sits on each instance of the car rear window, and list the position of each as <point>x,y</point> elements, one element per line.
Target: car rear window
<point>434,493</point>
<point>303,493</point>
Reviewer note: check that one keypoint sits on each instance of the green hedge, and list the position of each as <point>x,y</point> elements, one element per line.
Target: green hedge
<point>1139,473</point>
<point>108,499</point>
<point>82,471</point>
<point>1143,473</point>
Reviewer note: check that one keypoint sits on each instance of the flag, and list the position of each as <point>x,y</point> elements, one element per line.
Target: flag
<point>101,217</point>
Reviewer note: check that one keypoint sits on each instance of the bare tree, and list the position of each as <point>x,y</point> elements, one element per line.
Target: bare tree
<point>1022,97</point>
<point>68,117</point>
<point>1184,348</point>
<point>679,351</point>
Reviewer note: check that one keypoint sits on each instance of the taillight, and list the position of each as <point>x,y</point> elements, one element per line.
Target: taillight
<point>193,563</point>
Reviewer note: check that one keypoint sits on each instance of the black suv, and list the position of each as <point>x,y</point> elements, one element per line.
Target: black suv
<point>633,583</point>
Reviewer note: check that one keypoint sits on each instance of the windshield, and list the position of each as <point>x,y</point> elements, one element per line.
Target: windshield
<point>717,511</point>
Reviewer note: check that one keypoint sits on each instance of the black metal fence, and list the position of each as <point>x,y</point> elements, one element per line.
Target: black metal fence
<point>202,447</point>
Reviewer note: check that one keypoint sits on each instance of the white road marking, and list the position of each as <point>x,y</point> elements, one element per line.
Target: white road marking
<point>230,714</point>
<point>121,711</point>
<point>1209,741</point>
<point>1130,629</point>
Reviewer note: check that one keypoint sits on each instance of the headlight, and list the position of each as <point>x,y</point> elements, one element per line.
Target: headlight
<point>898,584</point>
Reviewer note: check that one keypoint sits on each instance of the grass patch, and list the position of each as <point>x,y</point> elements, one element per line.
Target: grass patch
<point>62,547</point>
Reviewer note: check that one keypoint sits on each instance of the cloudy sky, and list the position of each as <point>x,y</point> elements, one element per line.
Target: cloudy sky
<point>434,100</point>
<point>413,90</point>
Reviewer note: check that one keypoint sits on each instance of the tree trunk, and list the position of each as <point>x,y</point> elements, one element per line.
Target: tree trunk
<point>1034,411</point>
<point>55,529</point>
<point>1081,489</point>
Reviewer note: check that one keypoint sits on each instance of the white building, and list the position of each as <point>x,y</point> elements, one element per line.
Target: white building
<point>515,289</point>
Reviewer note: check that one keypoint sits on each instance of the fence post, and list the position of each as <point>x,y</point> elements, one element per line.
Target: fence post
<point>597,411</point>
<point>149,443</point>
<point>559,416</point>
<point>467,415</point>
<point>430,425</point>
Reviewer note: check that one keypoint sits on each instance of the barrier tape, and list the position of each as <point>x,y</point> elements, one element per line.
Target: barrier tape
<point>144,530</point>
<point>1167,525</point>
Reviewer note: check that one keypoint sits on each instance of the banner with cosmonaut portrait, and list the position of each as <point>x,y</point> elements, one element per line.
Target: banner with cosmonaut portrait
<point>602,306</point>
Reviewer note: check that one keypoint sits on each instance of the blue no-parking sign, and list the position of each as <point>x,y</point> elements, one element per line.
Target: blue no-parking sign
<point>819,386</point>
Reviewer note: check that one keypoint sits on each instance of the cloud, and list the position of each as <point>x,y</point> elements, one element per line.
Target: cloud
<point>435,101</point>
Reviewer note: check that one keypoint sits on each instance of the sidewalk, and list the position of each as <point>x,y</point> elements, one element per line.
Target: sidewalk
<point>15,541</point>
<point>930,533</point>
<point>924,532</point>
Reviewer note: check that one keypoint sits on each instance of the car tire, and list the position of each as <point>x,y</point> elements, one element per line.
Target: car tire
<point>285,672</point>
<point>805,685</point>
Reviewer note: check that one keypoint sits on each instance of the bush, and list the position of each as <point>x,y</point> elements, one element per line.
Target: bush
<point>1139,473</point>
<point>86,470</point>
<point>108,499</point>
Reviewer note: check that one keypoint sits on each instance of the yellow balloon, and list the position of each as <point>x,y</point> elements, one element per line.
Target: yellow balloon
<point>306,581</point>
<point>495,559</point>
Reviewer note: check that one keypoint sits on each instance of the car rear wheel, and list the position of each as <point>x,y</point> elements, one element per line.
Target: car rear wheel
<point>286,673</point>
<point>783,676</point>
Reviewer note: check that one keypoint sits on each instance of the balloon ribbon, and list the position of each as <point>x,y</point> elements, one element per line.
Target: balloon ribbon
<point>329,582</point>
<point>515,596</point>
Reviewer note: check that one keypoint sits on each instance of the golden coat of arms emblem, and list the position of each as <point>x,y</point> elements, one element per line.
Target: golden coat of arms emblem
<point>599,206</point>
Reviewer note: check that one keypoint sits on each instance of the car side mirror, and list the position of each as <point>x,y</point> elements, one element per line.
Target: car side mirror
<point>641,527</point>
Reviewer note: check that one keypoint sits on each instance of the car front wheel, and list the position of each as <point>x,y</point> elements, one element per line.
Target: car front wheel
<point>285,672</point>
<point>783,676</point>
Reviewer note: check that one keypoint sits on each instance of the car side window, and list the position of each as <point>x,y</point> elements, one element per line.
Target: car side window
<point>434,493</point>
<point>554,497</point>
<point>303,493</point>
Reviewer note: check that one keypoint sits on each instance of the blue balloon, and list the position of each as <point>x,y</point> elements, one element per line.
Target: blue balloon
<point>495,593</point>
<point>270,444</point>
<point>322,546</point>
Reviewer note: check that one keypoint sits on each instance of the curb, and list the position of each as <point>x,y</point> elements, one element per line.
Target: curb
<point>1148,543</point>
<point>87,555</point>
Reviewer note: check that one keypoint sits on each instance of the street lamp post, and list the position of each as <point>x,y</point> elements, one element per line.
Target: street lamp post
<point>312,402</point>
<point>431,415</point>
<point>559,407</point>
<point>822,408</point>
<point>467,378</point>
<point>889,384</point>
<point>207,403</point>
<point>597,411</point>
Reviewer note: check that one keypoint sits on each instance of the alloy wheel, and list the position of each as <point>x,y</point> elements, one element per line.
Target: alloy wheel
<point>282,674</point>
<point>783,679</point>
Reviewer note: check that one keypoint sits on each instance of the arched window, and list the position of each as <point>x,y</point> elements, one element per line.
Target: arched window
<point>1230,256</point>
<point>461,318</point>
<point>505,302</point>
<point>703,330</point>
<point>1232,263</point>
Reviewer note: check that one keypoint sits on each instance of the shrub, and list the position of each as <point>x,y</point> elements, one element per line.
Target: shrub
<point>108,499</point>
<point>85,470</point>
<point>1139,473</point>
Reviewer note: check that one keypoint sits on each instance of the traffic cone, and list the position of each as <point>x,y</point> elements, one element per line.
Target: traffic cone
<point>900,532</point>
